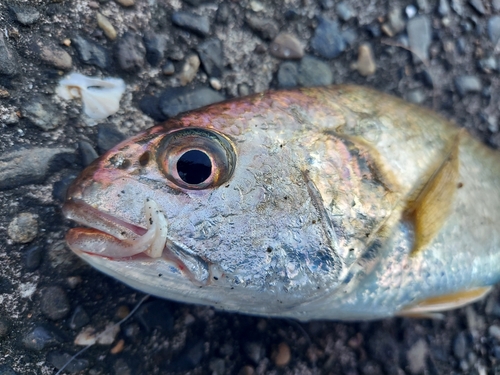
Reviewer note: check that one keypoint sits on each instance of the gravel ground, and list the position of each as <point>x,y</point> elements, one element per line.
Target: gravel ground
<point>47,295</point>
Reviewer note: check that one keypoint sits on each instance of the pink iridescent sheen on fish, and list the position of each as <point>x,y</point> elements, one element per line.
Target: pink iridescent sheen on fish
<point>318,203</point>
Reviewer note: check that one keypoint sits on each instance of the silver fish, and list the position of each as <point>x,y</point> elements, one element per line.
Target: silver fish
<point>318,203</point>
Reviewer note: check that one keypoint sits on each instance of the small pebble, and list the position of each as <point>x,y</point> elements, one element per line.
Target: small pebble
<point>494,331</point>
<point>478,6</point>
<point>254,351</point>
<point>106,26</point>
<point>288,75</point>
<point>130,52</point>
<point>416,96</point>
<point>286,46</point>
<point>168,68</point>
<point>327,40</point>
<point>150,106</point>
<point>54,303</point>
<point>282,355</point>
<point>266,28</point>
<point>155,314</point>
<point>126,3</point>
<point>460,345</point>
<point>411,11</point>
<point>189,69</point>
<point>180,99</point>
<point>41,337</point>
<point>246,370</point>
<point>243,89</point>
<point>494,29</point>
<point>420,37</point>
<point>121,367</point>
<point>118,348</point>
<point>43,113</point>
<point>189,358</point>
<point>4,328</point>
<point>51,54</point>
<point>488,65</point>
<point>395,23</point>
<point>256,6</point>
<point>215,83</point>
<point>366,62</point>
<point>33,257</point>
<point>107,137</point>
<point>23,228</point>
<point>79,318</point>
<point>211,56</point>
<point>87,153</point>
<point>416,356</point>
<point>344,11</point>
<point>192,22</point>
<point>223,14</point>
<point>25,14</point>
<point>217,366</point>
<point>58,360</point>
<point>444,8</point>
<point>91,53</point>
<point>468,84</point>
<point>423,5</point>
<point>458,7</point>
<point>155,47</point>
<point>313,72</point>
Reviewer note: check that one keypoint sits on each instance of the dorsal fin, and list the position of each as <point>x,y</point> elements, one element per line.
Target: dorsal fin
<point>429,211</point>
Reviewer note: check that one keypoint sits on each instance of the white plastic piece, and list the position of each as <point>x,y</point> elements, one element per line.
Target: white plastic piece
<point>100,97</point>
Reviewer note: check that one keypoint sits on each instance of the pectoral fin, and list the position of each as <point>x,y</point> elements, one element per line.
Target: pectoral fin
<point>432,206</point>
<point>430,306</point>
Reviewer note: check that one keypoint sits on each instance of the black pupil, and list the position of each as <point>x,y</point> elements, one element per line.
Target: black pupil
<point>194,167</point>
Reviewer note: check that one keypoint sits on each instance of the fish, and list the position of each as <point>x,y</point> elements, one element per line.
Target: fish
<point>335,202</point>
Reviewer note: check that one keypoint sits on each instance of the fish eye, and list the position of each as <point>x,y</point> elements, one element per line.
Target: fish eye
<point>195,159</point>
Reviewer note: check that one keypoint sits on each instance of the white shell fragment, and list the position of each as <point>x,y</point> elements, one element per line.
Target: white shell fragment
<point>100,97</point>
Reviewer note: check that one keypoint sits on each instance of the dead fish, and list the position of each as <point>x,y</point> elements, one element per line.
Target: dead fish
<point>318,203</point>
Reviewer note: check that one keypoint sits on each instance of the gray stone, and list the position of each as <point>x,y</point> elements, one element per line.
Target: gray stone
<point>288,75</point>
<point>33,257</point>
<point>266,28</point>
<point>217,366</point>
<point>468,84</point>
<point>58,360</point>
<point>212,60</point>
<point>108,137</point>
<point>41,337</point>
<point>416,356</point>
<point>420,37</point>
<point>460,345</point>
<point>43,113</point>
<point>423,5</point>
<point>91,53</point>
<point>25,14</point>
<point>168,68</point>
<point>478,6</point>
<point>314,72</point>
<point>327,40</point>
<point>51,54</point>
<point>87,153</point>
<point>130,52</point>
<point>176,100</point>
<point>416,96</point>
<point>496,5</point>
<point>8,58</point>
<point>286,46</point>
<point>344,11</point>
<point>488,64</point>
<point>23,228</point>
<point>395,20</point>
<point>458,7</point>
<point>79,318</point>
<point>444,8</point>
<point>28,166</point>
<point>223,14</point>
<point>494,29</point>
<point>54,303</point>
<point>155,47</point>
<point>192,22</point>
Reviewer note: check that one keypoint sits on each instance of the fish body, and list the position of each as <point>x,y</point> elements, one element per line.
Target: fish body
<point>336,202</point>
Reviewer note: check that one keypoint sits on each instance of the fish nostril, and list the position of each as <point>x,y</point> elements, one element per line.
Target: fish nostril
<point>144,158</point>
<point>124,164</point>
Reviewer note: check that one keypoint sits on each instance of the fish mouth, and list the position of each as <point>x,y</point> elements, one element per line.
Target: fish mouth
<point>110,237</point>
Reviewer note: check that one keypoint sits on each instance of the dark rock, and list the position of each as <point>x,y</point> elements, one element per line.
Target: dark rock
<point>478,6</point>
<point>6,370</point>
<point>243,89</point>
<point>344,11</point>
<point>326,4</point>
<point>121,367</point>
<point>426,77</point>
<point>23,228</point>
<point>266,28</point>
<point>91,53</point>
<point>458,7</point>
<point>149,105</point>
<point>28,166</point>
<point>5,286</point>
<point>195,3</point>
<point>59,359</point>
<point>54,303</point>
<point>130,52</point>
<point>180,99</point>
<point>87,153</point>
<point>155,314</point>
<point>494,29</point>
<point>488,64</point>
<point>8,59</point>
<point>108,137</point>
<point>43,113</point>
<point>189,358</point>
<point>4,328</point>
<point>423,5</point>
<point>60,188</point>
<point>155,47</point>
<point>50,53</point>
<point>79,318</point>
<point>41,337</point>
<point>223,14</point>
<point>291,15</point>
<point>443,8</point>
<point>286,46</point>
<point>33,257</point>
<point>288,75</point>
<point>313,72</point>
<point>350,36</point>
<point>374,30</point>
<point>192,22</point>
<point>210,52</point>
<point>168,68</point>
<point>420,37</point>
<point>327,40</point>
<point>460,345</point>
<point>468,84</point>
<point>25,14</point>
<point>217,366</point>
<point>254,351</point>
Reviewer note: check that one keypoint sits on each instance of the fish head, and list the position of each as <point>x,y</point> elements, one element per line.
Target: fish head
<point>220,206</point>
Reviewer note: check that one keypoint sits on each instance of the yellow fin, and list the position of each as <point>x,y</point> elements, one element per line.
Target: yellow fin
<point>430,209</point>
<point>430,306</point>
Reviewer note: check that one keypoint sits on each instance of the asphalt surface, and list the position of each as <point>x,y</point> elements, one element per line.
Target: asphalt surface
<point>47,295</point>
